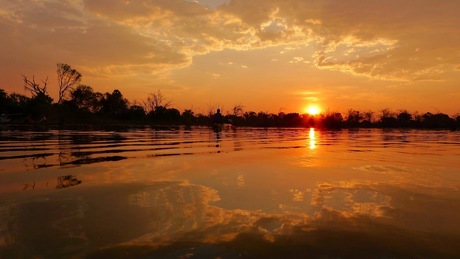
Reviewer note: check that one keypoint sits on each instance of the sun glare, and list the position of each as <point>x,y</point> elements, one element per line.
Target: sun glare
<point>313,110</point>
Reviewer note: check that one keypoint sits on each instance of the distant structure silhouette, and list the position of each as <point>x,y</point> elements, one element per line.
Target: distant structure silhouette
<point>217,117</point>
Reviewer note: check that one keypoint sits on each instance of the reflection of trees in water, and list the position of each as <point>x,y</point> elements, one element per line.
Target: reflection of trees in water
<point>69,145</point>
<point>67,181</point>
<point>62,182</point>
<point>62,148</point>
<point>29,186</point>
<point>65,148</point>
<point>225,139</point>
<point>37,161</point>
<point>70,148</point>
<point>237,145</point>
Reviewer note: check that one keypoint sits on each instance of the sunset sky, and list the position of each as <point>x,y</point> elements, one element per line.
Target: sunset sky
<point>266,55</point>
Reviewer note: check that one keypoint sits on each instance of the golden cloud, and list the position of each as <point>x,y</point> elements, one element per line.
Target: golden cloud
<point>382,40</point>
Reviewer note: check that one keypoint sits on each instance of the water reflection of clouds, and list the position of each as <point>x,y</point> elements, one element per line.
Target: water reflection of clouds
<point>351,199</point>
<point>179,217</point>
<point>403,175</point>
<point>297,195</point>
<point>183,211</point>
<point>179,207</point>
<point>240,182</point>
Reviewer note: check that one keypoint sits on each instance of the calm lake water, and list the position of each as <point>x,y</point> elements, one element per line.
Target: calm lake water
<point>245,193</point>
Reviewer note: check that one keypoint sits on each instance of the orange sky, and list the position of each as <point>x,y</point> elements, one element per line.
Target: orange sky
<point>266,55</point>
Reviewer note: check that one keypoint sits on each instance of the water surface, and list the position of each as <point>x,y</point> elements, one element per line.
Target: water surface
<point>244,193</point>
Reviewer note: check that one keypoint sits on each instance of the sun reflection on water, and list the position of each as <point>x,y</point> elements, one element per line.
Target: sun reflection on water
<point>312,138</point>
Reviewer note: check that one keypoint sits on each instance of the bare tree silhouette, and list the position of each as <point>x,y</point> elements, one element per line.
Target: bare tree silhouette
<point>35,88</point>
<point>154,101</point>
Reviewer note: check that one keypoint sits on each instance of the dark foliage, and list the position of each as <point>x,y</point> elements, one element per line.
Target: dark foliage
<point>85,106</point>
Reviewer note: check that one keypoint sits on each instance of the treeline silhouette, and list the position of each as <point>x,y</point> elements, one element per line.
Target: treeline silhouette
<point>80,104</point>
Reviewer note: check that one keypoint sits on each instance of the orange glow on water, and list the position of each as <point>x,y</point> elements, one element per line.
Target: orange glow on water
<point>312,138</point>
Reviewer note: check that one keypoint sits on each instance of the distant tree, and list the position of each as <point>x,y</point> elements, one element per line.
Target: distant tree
<point>250,118</point>
<point>235,117</point>
<point>439,120</point>
<point>84,98</point>
<point>188,117</point>
<point>308,120</point>
<point>39,105</point>
<point>159,113</point>
<point>417,119</point>
<point>19,103</point>
<point>288,120</point>
<point>114,104</point>
<point>354,118</point>
<point>237,110</point>
<point>262,119</point>
<point>99,102</point>
<point>4,101</point>
<point>154,101</point>
<point>35,88</point>
<point>332,120</point>
<point>136,112</point>
<point>67,79</point>
<point>387,118</point>
<point>404,118</point>
<point>173,115</point>
<point>457,120</point>
<point>8,104</point>
<point>368,118</point>
<point>202,119</point>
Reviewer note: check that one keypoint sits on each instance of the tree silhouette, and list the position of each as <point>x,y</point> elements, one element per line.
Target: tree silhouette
<point>87,106</point>
<point>354,118</point>
<point>67,79</point>
<point>439,120</point>
<point>18,103</point>
<point>39,105</point>
<point>114,103</point>
<point>155,101</point>
<point>404,118</point>
<point>188,117</point>
<point>4,101</point>
<point>84,98</point>
<point>387,118</point>
<point>332,120</point>
<point>136,112</point>
<point>33,87</point>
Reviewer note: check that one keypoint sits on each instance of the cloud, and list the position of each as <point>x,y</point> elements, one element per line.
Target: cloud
<point>391,40</point>
<point>373,39</point>
<point>311,96</point>
<point>394,41</point>
<point>57,31</point>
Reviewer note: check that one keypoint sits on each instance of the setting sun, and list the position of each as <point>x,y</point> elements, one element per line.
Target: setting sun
<point>313,110</point>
